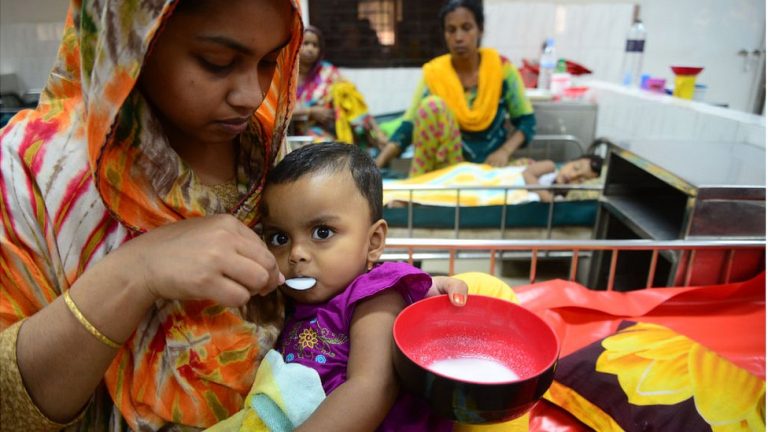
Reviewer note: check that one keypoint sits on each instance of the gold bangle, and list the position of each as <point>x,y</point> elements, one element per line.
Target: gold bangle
<point>87,324</point>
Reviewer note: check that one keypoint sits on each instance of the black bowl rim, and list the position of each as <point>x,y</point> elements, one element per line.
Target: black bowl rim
<point>550,364</point>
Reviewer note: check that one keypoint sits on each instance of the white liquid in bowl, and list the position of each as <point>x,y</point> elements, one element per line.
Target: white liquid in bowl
<point>474,369</point>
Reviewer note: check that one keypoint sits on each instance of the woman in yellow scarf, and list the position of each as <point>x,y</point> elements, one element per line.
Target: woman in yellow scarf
<point>461,106</point>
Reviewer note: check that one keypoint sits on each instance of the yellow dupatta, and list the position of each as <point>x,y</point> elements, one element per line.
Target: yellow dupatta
<point>442,80</point>
<point>348,104</point>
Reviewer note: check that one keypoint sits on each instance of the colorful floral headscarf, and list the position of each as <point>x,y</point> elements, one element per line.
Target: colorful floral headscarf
<point>87,170</point>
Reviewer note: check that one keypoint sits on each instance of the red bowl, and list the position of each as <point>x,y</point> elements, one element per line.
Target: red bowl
<point>684,70</point>
<point>487,362</point>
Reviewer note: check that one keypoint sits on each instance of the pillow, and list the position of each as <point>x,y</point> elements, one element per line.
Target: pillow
<point>649,377</point>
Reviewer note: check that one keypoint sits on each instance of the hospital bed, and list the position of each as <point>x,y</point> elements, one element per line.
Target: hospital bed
<point>526,219</point>
<point>521,217</point>
<point>689,357</point>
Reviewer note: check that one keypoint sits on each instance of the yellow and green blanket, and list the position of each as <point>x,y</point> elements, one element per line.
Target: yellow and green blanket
<point>472,178</point>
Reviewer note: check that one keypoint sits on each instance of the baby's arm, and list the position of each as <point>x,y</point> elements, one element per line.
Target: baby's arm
<point>534,171</point>
<point>362,402</point>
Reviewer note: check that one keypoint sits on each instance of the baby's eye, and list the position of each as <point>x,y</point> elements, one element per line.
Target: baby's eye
<point>278,239</point>
<point>322,233</point>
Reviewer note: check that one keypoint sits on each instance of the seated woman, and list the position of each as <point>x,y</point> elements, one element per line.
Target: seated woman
<point>461,107</point>
<point>576,171</point>
<point>328,107</point>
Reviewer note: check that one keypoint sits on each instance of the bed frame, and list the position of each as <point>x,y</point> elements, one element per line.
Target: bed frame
<point>540,220</point>
<point>743,258</point>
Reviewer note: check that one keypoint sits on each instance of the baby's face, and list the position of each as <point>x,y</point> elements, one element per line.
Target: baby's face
<point>575,171</point>
<point>320,227</point>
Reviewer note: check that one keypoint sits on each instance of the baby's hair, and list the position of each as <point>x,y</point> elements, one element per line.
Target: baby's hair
<point>595,162</point>
<point>333,157</point>
<point>474,6</point>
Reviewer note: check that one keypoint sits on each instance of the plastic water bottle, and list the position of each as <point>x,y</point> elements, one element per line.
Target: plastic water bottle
<point>632,66</point>
<point>547,65</point>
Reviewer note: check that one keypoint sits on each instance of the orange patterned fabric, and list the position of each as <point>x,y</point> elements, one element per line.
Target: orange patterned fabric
<point>89,169</point>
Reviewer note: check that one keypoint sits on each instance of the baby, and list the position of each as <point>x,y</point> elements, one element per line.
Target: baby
<point>573,172</point>
<point>322,219</point>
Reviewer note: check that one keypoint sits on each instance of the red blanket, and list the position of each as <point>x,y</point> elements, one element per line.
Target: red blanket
<point>727,319</point>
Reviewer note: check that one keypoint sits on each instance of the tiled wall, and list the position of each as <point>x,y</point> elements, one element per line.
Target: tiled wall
<point>28,50</point>
<point>626,114</point>
<point>591,34</point>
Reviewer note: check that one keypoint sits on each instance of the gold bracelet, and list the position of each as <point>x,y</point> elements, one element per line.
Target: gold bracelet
<point>87,324</point>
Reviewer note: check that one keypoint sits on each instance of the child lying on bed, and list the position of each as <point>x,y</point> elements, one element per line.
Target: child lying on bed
<point>322,219</point>
<point>575,171</point>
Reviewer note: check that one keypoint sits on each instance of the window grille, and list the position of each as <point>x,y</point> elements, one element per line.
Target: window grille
<point>379,33</point>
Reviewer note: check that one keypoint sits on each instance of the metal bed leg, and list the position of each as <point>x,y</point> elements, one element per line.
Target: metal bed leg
<point>456,219</point>
<point>534,258</point>
<point>452,262</point>
<point>492,270</point>
<point>652,268</point>
<point>612,271</point>
<point>504,214</point>
<point>410,213</point>
<point>689,268</point>
<point>574,265</point>
<point>729,265</point>
<point>550,217</point>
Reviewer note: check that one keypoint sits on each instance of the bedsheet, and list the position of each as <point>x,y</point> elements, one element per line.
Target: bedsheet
<point>717,328</point>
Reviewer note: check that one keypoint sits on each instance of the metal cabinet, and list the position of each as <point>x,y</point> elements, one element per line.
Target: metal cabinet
<point>664,190</point>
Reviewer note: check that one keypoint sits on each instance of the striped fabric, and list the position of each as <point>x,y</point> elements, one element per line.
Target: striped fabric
<point>86,171</point>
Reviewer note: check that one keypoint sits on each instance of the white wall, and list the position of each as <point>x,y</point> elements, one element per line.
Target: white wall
<point>30,31</point>
<point>630,114</point>
<point>705,33</point>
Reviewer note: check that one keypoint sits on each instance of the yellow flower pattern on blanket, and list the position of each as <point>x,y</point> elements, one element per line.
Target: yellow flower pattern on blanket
<point>657,366</point>
<point>465,174</point>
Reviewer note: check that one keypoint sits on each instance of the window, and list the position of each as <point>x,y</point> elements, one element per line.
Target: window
<point>379,33</point>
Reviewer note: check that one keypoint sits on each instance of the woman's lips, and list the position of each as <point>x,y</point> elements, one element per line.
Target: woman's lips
<point>235,126</point>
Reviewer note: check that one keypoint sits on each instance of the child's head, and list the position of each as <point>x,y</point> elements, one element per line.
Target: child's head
<point>322,217</point>
<point>581,169</point>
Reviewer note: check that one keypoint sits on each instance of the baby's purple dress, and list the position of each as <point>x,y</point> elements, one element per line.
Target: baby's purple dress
<point>317,335</point>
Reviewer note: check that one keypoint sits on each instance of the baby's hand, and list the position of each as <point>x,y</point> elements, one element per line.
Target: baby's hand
<point>456,289</point>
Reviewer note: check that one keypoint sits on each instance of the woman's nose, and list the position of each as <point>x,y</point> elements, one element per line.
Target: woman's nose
<point>247,93</point>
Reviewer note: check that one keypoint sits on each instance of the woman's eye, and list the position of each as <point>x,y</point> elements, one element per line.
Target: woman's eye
<point>269,61</point>
<point>278,239</point>
<point>322,233</point>
<point>215,67</point>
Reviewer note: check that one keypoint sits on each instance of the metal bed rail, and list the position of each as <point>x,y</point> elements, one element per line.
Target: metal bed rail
<point>574,248</point>
<point>505,188</point>
<point>556,147</point>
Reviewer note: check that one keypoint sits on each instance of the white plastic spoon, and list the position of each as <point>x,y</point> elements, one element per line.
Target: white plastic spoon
<point>301,283</point>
